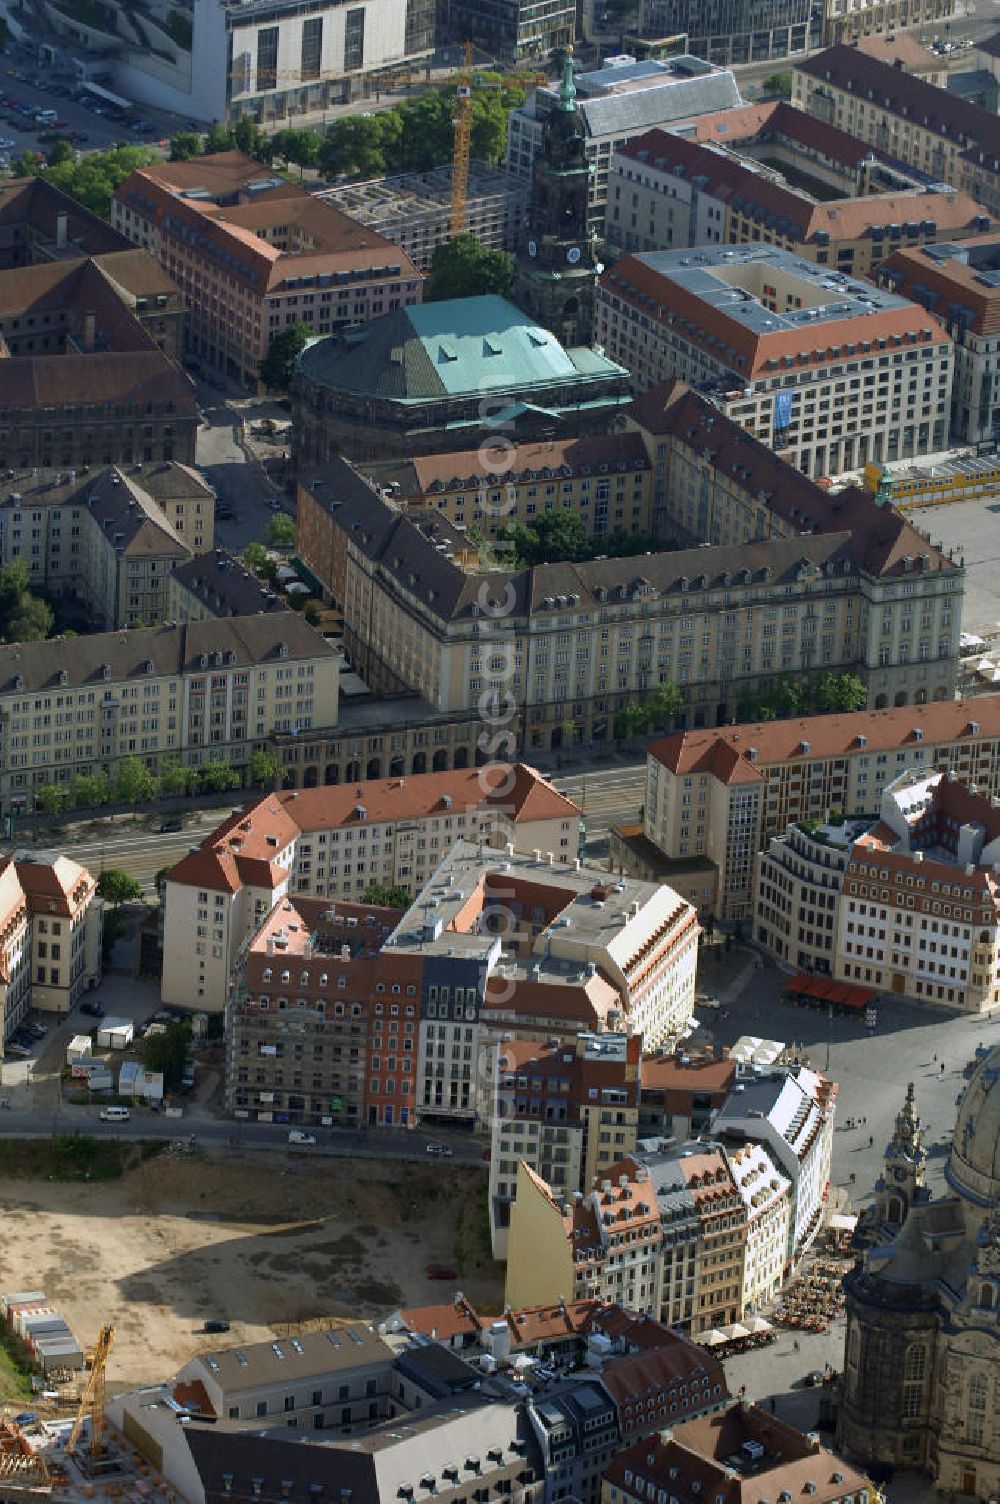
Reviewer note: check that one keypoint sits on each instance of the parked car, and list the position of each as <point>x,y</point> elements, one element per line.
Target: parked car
<point>444,1150</point>
<point>441,1271</point>
<point>296,1136</point>
<point>813,1379</point>
<point>214,1325</point>
<point>17,1050</point>
<point>92,1009</point>
<point>170,825</point>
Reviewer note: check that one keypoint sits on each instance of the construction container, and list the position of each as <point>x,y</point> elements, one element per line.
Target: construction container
<point>115,1034</point>
<point>27,1297</point>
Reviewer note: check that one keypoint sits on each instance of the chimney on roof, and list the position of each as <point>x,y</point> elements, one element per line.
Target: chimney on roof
<point>62,223</point>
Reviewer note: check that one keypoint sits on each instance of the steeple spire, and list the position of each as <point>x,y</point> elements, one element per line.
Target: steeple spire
<point>567,86</point>
<point>907,1133</point>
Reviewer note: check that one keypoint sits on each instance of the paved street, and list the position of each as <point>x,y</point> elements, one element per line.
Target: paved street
<point>972,529</point>
<point>241,485</point>
<point>872,1072</point>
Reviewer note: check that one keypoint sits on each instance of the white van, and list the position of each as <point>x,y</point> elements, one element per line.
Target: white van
<point>114,1114</point>
<point>296,1136</point>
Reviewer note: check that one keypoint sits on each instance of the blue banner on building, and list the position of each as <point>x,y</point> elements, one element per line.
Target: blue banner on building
<point>782,409</point>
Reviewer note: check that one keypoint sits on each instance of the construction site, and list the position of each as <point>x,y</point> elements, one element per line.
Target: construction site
<point>145,1268</point>
<point>415,209</point>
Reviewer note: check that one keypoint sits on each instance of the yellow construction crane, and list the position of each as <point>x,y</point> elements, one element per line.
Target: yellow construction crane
<point>462,149</point>
<point>92,1398</point>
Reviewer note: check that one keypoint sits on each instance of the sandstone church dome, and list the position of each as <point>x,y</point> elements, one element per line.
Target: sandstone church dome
<point>974,1164</point>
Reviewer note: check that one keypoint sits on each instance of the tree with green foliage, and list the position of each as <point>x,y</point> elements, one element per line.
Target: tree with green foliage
<point>53,798</point>
<point>810,695</point>
<point>167,1052</point>
<point>250,139</point>
<point>23,617</point>
<point>25,165</point>
<point>220,137</point>
<point>185,145</point>
<point>265,769</point>
<point>360,146</point>
<point>840,692</point>
<point>386,896</point>
<point>259,561</point>
<point>553,537</point>
<point>94,178</point>
<point>91,790</point>
<point>633,720</point>
<point>282,353</point>
<point>117,886</point>
<point>174,777</point>
<point>665,703</point>
<point>778,83</point>
<point>61,150</point>
<point>656,709</point>
<point>217,778</point>
<point>134,783</point>
<point>281,531</point>
<point>298,146</point>
<point>32,621</point>
<point>464,268</point>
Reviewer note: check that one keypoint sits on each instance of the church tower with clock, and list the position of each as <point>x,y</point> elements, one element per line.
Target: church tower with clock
<point>556,265</point>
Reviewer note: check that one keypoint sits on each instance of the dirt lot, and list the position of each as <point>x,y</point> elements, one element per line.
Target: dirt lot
<point>256,1240</point>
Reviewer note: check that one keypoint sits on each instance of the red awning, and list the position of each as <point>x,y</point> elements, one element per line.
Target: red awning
<point>822,990</point>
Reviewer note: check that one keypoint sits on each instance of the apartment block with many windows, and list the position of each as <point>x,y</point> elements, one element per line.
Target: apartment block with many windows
<point>209,691</point>
<point>51,927</point>
<point>570,1109</point>
<point>944,136</point>
<point>253,253</point>
<point>105,540</point>
<point>576,641</point>
<point>909,902</point>
<point>725,793</point>
<point>827,372</point>
<point>603,479</point>
<point>962,283</point>
<point>666,191</point>
<point>337,842</point>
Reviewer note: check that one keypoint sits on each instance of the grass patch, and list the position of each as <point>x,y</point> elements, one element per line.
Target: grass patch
<point>70,1158</point>
<point>473,1250</point>
<point>16,1368</point>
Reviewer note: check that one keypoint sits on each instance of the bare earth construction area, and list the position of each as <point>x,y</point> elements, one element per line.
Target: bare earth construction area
<point>258,1240</point>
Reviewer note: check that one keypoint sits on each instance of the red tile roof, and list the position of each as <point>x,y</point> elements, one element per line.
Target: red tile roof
<point>790,213</point>
<point>241,851</point>
<point>61,886</point>
<point>897,92</point>
<point>690,1462</point>
<point>881,539</point>
<point>679,1083</point>
<point>773,742</point>
<point>744,350</point>
<point>935,283</point>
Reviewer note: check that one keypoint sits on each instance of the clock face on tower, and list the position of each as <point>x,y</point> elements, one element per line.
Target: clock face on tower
<point>573,255</point>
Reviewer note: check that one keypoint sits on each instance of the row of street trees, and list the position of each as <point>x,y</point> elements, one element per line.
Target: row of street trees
<point>133,784</point>
<point>412,136</point>
<point>813,694</point>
